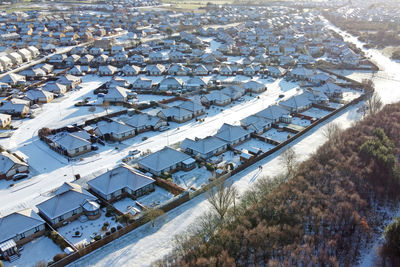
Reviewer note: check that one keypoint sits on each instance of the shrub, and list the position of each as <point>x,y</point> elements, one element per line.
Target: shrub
<point>113,229</point>
<point>108,233</point>
<point>76,232</point>
<point>97,237</point>
<point>59,256</point>
<point>119,227</point>
<point>210,167</point>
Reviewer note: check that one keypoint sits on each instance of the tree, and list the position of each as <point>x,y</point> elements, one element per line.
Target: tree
<point>221,198</point>
<point>289,160</point>
<point>392,236</point>
<point>332,132</point>
<point>1,264</point>
<point>92,109</point>
<point>106,106</point>
<point>153,214</point>
<point>374,104</point>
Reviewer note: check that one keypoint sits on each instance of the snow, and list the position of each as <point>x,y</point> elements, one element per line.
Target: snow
<point>276,135</point>
<point>192,179</point>
<point>315,112</point>
<point>255,144</point>
<point>39,249</point>
<point>88,229</point>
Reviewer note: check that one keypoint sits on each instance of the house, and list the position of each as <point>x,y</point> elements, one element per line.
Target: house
<point>274,113</point>
<point>86,59</point>
<point>107,70</point>
<point>195,83</point>
<point>69,80</point>
<point>178,70</point>
<point>215,98</point>
<point>16,58</point>
<point>275,71</point>
<point>11,165</point>
<point>13,79</point>
<point>5,120</point>
<point>204,148</point>
<point>330,89</point>
<point>123,181</point>
<point>115,49</point>
<point>320,78</point>
<point>39,96</point>
<point>6,62</point>
<point>15,107</point>
<point>129,70</point>
<point>232,135</point>
<point>316,97</point>
<point>300,73</point>
<point>25,54</point>
<point>165,160</point>
<point>143,84</point>
<point>201,70</point>
<point>170,83</point>
<point>176,114</point>
<point>33,73</point>
<point>17,229</point>
<point>256,124</point>
<point>69,202</point>
<point>249,71</point>
<point>196,108</point>
<point>114,130</point>
<point>155,70</point>
<point>234,92</point>
<point>226,71</point>
<point>56,88</point>
<point>296,103</point>
<point>116,94</point>
<point>71,144</point>
<point>254,87</point>
<point>143,122</point>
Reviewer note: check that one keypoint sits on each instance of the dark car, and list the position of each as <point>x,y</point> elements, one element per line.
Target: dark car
<point>19,176</point>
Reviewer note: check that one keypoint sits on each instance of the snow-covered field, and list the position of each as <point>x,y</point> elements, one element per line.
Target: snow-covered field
<point>276,135</point>
<point>39,249</point>
<point>255,144</point>
<point>316,113</point>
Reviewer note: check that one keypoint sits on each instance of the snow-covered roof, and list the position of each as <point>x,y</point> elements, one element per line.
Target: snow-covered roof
<point>7,161</point>
<point>115,127</point>
<point>163,159</point>
<point>121,177</point>
<point>142,120</point>
<point>203,146</point>
<point>296,101</point>
<point>68,197</point>
<point>273,112</point>
<point>231,133</point>
<point>69,141</point>
<point>17,223</point>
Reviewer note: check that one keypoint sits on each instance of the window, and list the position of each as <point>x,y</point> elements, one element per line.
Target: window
<point>74,212</point>
<point>37,229</point>
<point>60,218</point>
<point>22,235</point>
<point>76,150</point>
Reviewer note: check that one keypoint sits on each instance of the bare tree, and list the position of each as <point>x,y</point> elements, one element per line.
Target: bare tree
<point>332,132</point>
<point>374,104</point>
<point>106,106</point>
<point>289,160</point>
<point>221,198</point>
<point>153,214</point>
<point>92,109</point>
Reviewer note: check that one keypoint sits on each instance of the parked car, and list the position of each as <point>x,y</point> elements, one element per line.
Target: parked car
<point>19,176</point>
<point>280,96</point>
<point>134,152</point>
<point>163,128</point>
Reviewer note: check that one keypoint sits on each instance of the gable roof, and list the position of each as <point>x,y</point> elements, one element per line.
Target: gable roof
<point>7,161</point>
<point>121,177</point>
<point>203,146</point>
<point>69,141</point>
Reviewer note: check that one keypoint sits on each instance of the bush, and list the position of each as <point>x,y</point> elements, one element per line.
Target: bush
<point>210,167</point>
<point>108,233</point>
<point>59,256</point>
<point>119,227</point>
<point>392,236</point>
<point>97,237</point>
<point>76,232</point>
<point>113,229</point>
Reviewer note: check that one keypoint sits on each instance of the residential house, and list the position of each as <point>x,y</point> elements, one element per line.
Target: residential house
<point>116,94</point>
<point>204,148</point>
<point>14,79</point>
<point>129,70</point>
<point>170,83</point>
<point>17,229</point>
<point>143,122</point>
<point>234,92</point>
<point>155,70</point>
<point>215,98</point>
<point>39,96</point>
<point>107,70</point>
<point>195,83</point>
<point>165,160</point>
<point>232,135</point>
<point>254,86</point>
<point>114,130</point>
<point>196,108</point>
<point>69,80</point>
<point>11,165</point>
<point>54,87</point>
<point>5,120</point>
<point>123,181</point>
<point>143,84</point>
<point>256,124</point>
<point>275,114</point>
<point>71,144</point>
<point>68,203</point>
<point>296,103</point>
<point>15,107</point>
<point>176,114</point>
